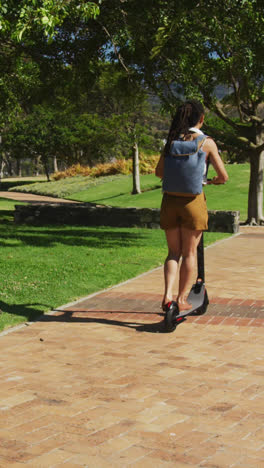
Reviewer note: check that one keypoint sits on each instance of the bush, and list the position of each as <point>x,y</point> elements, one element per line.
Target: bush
<point>72,171</point>
<point>147,164</point>
<point>121,166</point>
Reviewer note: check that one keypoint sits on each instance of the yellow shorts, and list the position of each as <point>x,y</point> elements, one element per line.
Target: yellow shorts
<point>186,211</point>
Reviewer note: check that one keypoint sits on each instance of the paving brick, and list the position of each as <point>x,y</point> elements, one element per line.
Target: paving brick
<point>248,463</point>
<point>51,458</point>
<point>17,464</point>
<point>90,461</point>
<point>149,462</point>
<point>68,465</point>
<point>107,387</point>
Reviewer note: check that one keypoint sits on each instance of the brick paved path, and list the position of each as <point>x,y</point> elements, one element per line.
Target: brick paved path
<point>31,198</point>
<point>98,384</point>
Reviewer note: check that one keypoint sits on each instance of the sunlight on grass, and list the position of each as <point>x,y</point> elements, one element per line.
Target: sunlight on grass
<point>42,268</point>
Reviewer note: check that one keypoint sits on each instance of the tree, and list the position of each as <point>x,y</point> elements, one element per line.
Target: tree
<point>190,49</point>
<point>19,19</point>
<point>212,44</point>
<point>30,57</point>
<point>107,125</point>
<point>135,115</point>
<point>34,34</point>
<point>60,51</point>
<point>219,48</point>
<point>33,135</point>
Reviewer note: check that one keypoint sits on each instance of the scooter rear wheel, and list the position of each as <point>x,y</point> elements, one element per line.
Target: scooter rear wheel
<point>170,319</point>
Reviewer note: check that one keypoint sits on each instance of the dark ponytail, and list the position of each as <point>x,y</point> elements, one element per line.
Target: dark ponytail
<point>188,115</point>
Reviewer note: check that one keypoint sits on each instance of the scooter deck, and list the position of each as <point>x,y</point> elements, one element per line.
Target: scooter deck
<point>197,297</point>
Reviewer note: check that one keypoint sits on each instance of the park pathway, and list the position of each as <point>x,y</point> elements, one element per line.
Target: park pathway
<point>99,384</point>
<point>32,198</point>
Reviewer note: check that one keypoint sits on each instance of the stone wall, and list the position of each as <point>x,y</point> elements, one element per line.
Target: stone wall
<point>86,214</point>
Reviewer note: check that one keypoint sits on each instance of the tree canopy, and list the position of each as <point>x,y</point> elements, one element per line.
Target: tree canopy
<point>215,46</point>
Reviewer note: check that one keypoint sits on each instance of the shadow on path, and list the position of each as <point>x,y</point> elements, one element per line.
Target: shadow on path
<point>30,311</point>
<point>67,316</point>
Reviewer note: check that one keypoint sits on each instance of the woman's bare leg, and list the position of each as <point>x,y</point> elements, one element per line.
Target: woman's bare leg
<point>171,263</point>
<point>189,242</point>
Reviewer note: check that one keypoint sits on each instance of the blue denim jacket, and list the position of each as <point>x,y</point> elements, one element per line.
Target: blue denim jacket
<point>184,167</point>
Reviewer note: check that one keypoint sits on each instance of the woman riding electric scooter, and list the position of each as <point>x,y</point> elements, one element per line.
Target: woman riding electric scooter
<point>184,213</point>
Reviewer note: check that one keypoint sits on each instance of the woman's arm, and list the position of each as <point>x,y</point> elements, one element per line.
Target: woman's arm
<point>160,166</point>
<point>210,148</point>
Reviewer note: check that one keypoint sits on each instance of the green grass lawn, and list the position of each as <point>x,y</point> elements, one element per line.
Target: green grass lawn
<point>88,188</point>
<point>42,268</point>
<point>116,190</point>
<point>231,196</point>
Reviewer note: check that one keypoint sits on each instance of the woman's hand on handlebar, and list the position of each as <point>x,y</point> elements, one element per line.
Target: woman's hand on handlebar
<point>212,152</point>
<point>216,181</point>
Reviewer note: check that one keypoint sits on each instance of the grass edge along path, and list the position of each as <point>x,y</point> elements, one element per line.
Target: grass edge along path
<point>42,268</point>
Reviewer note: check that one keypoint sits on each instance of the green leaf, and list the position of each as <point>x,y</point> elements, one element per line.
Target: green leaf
<point>45,20</point>
<point>20,33</point>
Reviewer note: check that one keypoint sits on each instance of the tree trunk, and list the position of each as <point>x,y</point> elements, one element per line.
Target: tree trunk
<point>2,165</point>
<point>1,162</point>
<point>136,178</point>
<point>19,168</point>
<point>255,194</point>
<point>46,166</point>
<point>37,165</point>
<point>9,165</point>
<point>55,164</point>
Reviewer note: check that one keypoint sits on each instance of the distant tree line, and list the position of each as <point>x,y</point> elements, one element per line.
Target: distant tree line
<point>88,126</point>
